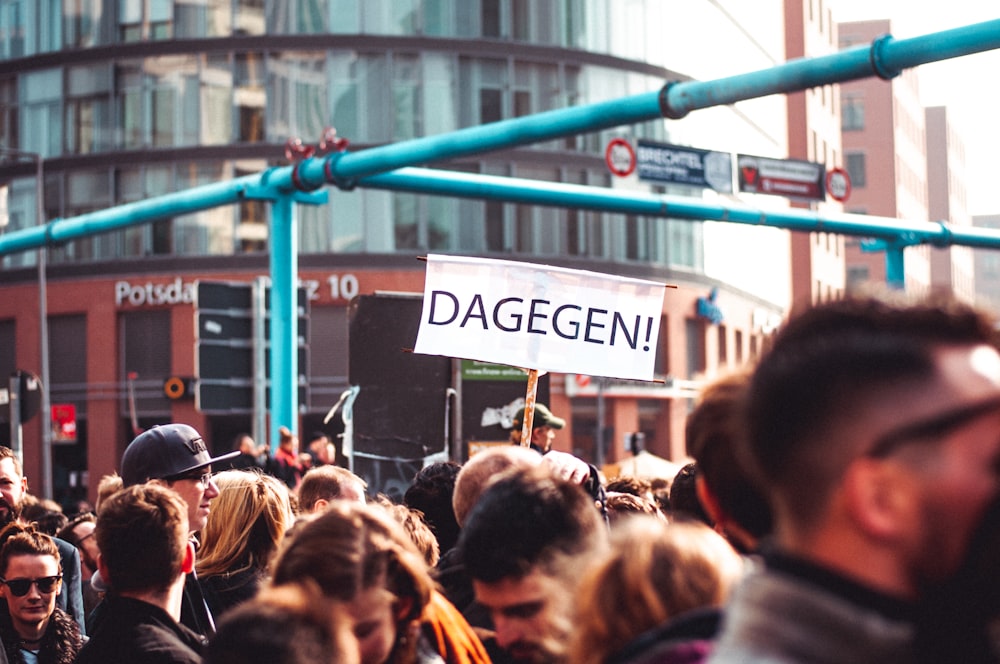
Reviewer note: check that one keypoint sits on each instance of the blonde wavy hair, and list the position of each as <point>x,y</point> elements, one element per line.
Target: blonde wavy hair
<point>663,569</point>
<point>247,522</point>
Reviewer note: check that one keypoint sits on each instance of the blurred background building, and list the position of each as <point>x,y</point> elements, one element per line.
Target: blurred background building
<point>129,99</point>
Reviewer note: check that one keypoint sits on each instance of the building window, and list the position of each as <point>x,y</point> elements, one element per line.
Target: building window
<point>661,365</point>
<point>685,247</point>
<point>406,99</point>
<point>140,20</point>
<point>41,122</point>
<point>8,112</point>
<point>249,96</point>
<point>856,275</point>
<point>89,122</point>
<point>82,21</point>
<point>297,17</point>
<point>694,330</point>
<point>145,348</point>
<point>8,345</point>
<point>855,162</point>
<point>852,113</point>
<point>723,346</point>
<point>490,19</point>
<point>297,95</point>
<point>738,346</point>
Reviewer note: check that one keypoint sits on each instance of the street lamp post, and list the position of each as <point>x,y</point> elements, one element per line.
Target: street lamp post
<point>45,424</point>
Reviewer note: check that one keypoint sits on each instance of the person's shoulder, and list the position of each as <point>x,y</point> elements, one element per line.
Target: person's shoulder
<point>102,651</point>
<point>66,550</point>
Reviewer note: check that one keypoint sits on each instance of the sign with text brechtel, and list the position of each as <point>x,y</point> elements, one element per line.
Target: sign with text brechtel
<point>540,317</point>
<point>793,178</point>
<point>660,162</point>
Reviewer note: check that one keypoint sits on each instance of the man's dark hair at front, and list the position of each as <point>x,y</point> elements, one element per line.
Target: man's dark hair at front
<point>431,493</point>
<point>833,359</point>
<point>525,521</point>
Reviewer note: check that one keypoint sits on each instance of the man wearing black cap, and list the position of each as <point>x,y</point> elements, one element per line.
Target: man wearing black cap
<point>175,456</point>
<point>543,427</point>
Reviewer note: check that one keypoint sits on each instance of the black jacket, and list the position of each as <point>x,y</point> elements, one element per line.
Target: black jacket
<point>137,632</point>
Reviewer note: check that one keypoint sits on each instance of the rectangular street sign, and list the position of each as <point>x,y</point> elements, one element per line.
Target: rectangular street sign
<point>794,178</point>
<point>675,164</point>
<point>224,295</point>
<point>224,317</point>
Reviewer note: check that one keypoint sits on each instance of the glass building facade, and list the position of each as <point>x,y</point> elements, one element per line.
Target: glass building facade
<point>131,99</point>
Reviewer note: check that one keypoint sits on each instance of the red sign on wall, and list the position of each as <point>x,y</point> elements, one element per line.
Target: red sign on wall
<point>63,423</point>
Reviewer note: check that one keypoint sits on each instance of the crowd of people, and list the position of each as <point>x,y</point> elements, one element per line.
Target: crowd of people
<point>840,506</point>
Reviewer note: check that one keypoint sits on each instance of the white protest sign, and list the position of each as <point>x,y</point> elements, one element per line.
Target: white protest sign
<point>540,317</point>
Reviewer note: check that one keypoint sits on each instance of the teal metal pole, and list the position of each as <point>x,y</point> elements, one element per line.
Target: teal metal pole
<point>895,275</point>
<point>59,231</point>
<point>556,194</point>
<point>885,57</point>
<point>284,359</point>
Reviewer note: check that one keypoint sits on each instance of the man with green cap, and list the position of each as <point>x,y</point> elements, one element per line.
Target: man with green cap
<point>543,428</point>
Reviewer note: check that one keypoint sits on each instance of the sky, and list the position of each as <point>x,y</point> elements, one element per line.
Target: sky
<point>966,85</point>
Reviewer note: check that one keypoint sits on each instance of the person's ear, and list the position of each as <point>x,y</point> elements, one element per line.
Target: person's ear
<point>403,606</point>
<point>102,568</point>
<point>879,499</point>
<point>188,566</point>
<point>707,500</point>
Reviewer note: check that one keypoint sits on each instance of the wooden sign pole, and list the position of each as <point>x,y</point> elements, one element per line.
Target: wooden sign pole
<point>529,407</point>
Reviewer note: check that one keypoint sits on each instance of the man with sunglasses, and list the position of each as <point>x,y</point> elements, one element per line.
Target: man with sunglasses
<point>175,456</point>
<point>873,426</point>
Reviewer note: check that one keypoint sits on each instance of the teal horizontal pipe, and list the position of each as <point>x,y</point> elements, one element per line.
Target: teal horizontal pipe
<point>885,57</point>
<point>525,130</point>
<point>187,201</point>
<point>534,192</point>
<point>889,56</point>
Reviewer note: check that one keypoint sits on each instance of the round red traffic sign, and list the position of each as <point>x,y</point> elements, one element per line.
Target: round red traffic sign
<point>620,157</point>
<point>838,184</point>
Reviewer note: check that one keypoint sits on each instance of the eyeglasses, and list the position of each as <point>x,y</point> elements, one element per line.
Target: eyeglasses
<point>200,475</point>
<point>932,427</point>
<point>21,587</point>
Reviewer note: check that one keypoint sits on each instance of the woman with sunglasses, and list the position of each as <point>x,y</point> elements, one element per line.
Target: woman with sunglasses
<point>33,629</point>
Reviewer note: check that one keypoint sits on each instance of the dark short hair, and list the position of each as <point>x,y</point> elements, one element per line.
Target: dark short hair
<point>712,433</point>
<point>527,520</point>
<point>67,532</point>
<point>287,625</point>
<point>827,362</point>
<point>142,534</point>
<point>431,493</point>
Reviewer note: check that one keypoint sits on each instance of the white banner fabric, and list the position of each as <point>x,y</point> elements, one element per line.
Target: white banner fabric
<point>540,317</point>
